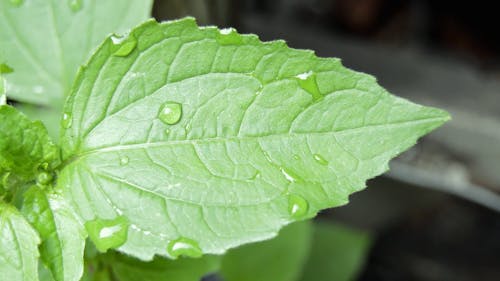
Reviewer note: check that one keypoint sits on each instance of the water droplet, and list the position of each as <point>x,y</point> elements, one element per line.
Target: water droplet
<point>320,159</point>
<point>16,3</point>
<point>229,36</point>
<point>289,176</point>
<point>44,179</point>
<point>75,5</point>
<point>167,131</point>
<point>67,120</point>
<point>107,234</point>
<point>297,206</point>
<point>170,113</point>
<point>296,157</point>
<point>127,45</point>
<point>124,160</point>
<point>184,247</point>
<point>307,81</point>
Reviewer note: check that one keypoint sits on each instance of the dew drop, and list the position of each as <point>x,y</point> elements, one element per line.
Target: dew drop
<point>75,5</point>
<point>44,178</point>
<point>229,36</point>
<point>107,234</point>
<point>67,120</point>
<point>170,113</point>
<point>184,247</point>
<point>289,176</point>
<point>127,45</point>
<point>307,81</point>
<point>124,160</point>
<point>320,159</point>
<point>297,206</point>
<point>16,3</point>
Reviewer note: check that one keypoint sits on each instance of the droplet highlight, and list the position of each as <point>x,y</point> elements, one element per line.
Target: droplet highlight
<point>297,206</point>
<point>75,5</point>
<point>127,45</point>
<point>67,120</point>
<point>107,234</point>
<point>184,247</point>
<point>307,81</point>
<point>170,113</point>
<point>320,159</point>
<point>124,160</point>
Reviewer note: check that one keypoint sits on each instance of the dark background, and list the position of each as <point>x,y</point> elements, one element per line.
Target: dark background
<point>435,215</point>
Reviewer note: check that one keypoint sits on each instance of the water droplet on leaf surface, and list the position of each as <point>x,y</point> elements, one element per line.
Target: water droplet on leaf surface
<point>127,45</point>
<point>297,206</point>
<point>108,234</point>
<point>307,81</point>
<point>44,178</point>
<point>67,120</point>
<point>289,175</point>
<point>124,160</point>
<point>320,159</point>
<point>170,113</point>
<point>75,5</point>
<point>229,36</point>
<point>184,247</point>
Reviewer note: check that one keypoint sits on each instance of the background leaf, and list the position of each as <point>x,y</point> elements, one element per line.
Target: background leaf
<point>18,246</point>
<point>45,41</point>
<point>183,269</point>
<point>198,140</point>
<point>279,259</point>
<point>62,234</point>
<point>337,253</point>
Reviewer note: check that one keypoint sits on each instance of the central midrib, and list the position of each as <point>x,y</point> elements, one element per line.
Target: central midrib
<point>84,154</point>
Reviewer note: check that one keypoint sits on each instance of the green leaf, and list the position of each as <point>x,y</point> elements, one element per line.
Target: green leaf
<point>337,253</point>
<point>279,259</point>
<point>18,246</point>
<point>63,235</point>
<point>46,41</point>
<point>25,147</point>
<point>184,269</point>
<point>256,146</point>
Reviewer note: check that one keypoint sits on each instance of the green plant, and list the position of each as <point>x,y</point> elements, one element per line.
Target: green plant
<point>176,141</point>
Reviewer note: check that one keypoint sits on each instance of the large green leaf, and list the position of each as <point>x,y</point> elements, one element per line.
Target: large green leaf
<point>199,140</point>
<point>46,40</point>
<point>18,246</point>
<point>279,259</point>
<point>337,253</point>
<point>25,147</point>
<point>63,235</point>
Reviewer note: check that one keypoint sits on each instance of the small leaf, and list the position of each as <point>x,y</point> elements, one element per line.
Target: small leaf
<point>249,148</point>
<point>25,147</point>
<point>337,253</point>
<point>18,246</point>
<point>62,234</point>
<point>279,259</point>
<point>46,62</point>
